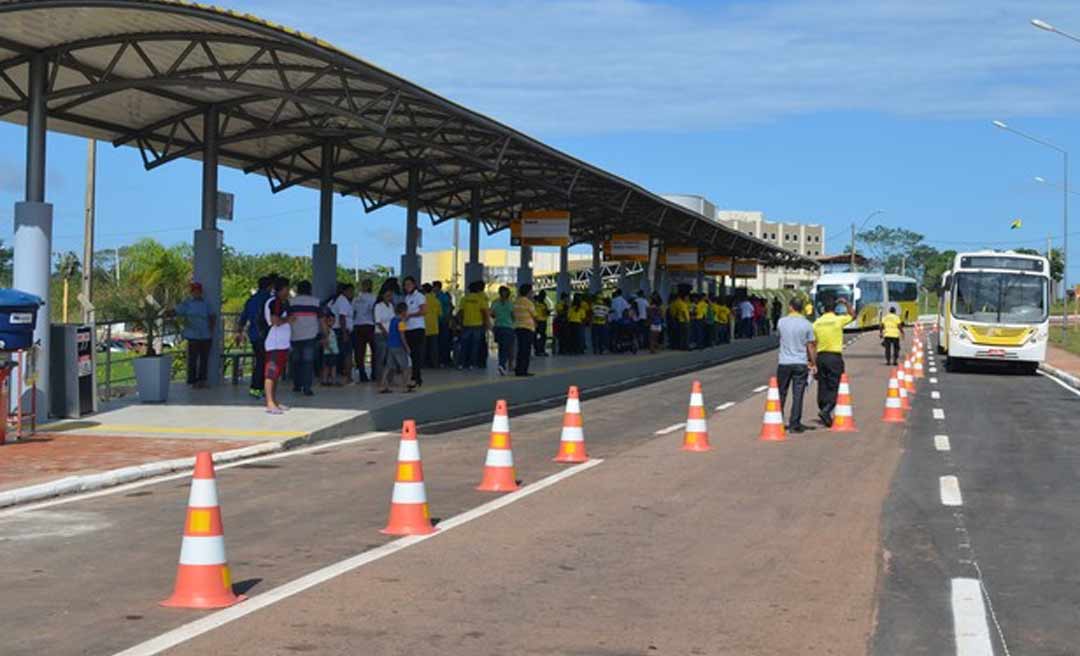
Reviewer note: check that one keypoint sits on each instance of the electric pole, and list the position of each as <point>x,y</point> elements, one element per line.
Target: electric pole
<point>88,234</point>
<point>853,248</point>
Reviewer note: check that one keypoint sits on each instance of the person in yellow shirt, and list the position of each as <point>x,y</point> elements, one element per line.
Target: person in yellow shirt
<point>524,329</point>
<point>575,318</point>
<point>542,314</point>
<point>892,330</point>
<point>561,326</point>
<point>723,321</point>
<point>829,336</point>
<point>680,311</point>
<point>474,316</point>
<point>432,314</point>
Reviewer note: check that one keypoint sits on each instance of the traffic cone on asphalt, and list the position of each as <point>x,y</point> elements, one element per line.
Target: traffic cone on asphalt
<point>905,397</point>
<point>772,426</point>
<point>409,513</point>
<point>919,373</point>
<point>202,577</point>
<point>572,441</point>
<point>697,429</point>
<point>894,413</point>
<point>499,474</point>
<point>909,379</point>
<point>844,418</point>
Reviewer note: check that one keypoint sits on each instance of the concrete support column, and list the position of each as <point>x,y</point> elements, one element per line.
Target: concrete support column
<point>33,231</point>
<point>410,261</point>
<point>474,268</point>
<point>324,253</point>
<point>525,268</point>
<point>699,287</point>
<point>562,282</point>
<point>664,285</point>
<point>208,242</point>
<point>712,286</point>
<point>595,283</point>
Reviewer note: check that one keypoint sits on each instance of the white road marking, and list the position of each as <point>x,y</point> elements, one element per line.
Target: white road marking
<point>366,437</point>
<point>1062,383</point>
<point>725,406</point>
<point>939,413</point>
<point>969,619</point>
<point>941,443</point>
<point>933,381</point>
<point>933,370</point>
<point>935,394</point>
<point>760,389</point>
<point>215,620</point>
<point>670,429</point>
<point>950,491</point>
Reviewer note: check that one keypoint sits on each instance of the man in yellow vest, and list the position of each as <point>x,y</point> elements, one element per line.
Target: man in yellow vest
<point>892,330</point>
<point>829,335</point>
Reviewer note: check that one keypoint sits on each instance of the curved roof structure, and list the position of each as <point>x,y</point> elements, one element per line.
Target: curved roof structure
<point>145,73</point>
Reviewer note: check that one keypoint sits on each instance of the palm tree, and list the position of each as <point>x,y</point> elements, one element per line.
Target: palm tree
<point>68,266</point>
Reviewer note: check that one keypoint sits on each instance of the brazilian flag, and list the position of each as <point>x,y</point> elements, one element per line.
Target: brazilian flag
<point>1016,225</point>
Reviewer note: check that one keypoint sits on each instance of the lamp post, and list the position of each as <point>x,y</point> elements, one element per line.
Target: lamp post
<point>853,231</point>
<point>1001,125</point>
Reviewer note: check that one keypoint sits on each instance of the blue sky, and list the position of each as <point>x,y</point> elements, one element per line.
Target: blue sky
<point>815,110</point>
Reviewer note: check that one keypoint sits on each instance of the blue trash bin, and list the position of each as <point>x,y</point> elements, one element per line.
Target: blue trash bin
<point>18,318</point>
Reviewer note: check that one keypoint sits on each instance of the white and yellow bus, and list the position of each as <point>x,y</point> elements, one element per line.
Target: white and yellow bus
<point>995,306</point>
<point>869,294</point>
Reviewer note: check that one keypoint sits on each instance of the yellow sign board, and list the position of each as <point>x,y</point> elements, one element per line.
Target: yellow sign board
<point>718,265</point>
<point>541,228</point>
<point>629,247</point>
<point>681,258</point>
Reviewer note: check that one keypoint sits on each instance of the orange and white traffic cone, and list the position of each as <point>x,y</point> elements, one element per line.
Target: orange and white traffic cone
<point>894,412</point>
<point>572,441</point>
<point>909,378</point>
<point>202,577</point>
<point>499,474</point>
<point>905,398</point>
<point>697,428</point>
<point>919,372</point>
<point>772,425</point>
<point>844,418</point>
<point>409,514</point>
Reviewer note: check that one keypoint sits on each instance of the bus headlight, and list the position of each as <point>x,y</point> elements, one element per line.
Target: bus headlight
<point>962,334</point>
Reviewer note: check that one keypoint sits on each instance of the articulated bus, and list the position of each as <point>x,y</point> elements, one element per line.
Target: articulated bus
<point>995,306</point>
<point>870,295</point>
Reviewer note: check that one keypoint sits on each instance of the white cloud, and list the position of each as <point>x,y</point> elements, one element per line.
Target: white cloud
<point>574,66</point>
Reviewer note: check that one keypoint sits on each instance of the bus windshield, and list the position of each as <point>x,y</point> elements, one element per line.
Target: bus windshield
<point>999,297</point>
<point>826,297</point>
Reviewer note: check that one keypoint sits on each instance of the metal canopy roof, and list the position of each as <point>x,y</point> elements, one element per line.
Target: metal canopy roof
<point>143,73</point>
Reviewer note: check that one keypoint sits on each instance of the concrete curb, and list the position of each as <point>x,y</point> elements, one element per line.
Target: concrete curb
<point>113,477</point>
<point>1067,378</point>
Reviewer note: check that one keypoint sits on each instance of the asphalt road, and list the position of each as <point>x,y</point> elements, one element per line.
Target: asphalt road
<point>811,546</point>
<point>1013,449</point>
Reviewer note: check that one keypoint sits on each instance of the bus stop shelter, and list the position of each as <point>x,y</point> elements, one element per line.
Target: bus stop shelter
<point>179,80</point>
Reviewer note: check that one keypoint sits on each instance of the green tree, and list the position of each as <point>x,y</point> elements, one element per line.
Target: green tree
<point>153,279</point>
<point>1057,264</point>
<point>7,257</point>
<point>886,246</point>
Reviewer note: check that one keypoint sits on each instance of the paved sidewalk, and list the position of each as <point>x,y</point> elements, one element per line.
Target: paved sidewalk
<point>1061,359</point>
<point>47,457</point>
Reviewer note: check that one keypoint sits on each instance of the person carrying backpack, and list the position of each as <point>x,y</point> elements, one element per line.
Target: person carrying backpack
<point>253,320</point>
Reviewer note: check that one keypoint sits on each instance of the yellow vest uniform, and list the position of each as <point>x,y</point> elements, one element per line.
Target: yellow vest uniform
<point>472,309</point>
<point>890,325</point>
<point>829,332</point>
<point>432,314</point>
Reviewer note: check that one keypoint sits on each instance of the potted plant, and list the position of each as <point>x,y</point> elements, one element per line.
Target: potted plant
<point>154,279</point>
<point>153,371</point>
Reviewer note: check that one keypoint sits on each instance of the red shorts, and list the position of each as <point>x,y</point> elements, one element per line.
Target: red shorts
<point>275,364</point>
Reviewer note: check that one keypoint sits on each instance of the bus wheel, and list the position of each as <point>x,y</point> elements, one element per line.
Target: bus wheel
<point>1028,368</point>
<point>952,365</point>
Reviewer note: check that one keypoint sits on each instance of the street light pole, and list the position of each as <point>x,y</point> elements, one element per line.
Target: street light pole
<point>1001,125</point>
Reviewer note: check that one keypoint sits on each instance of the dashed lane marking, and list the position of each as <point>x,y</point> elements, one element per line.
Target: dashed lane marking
<point>933,370</point>
<point>941,443</point>
<point>670,429</point>
<point>969,619</point>
<point>258,602</point>
<point>950,491</point>
<point>760,389</point>
<point>939,413</point>
<point>935,395</point>
<point>725,406</point>
<point>933,381</point>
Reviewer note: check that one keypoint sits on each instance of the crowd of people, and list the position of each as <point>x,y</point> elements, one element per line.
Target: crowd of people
<point>391,336</point>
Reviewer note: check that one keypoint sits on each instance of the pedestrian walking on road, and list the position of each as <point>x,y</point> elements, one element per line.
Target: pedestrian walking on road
<point>829,333</point>
<point>892,330</point>
<point>798,360</point>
